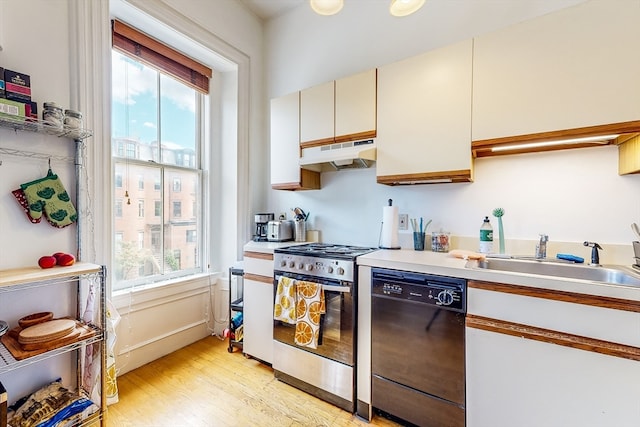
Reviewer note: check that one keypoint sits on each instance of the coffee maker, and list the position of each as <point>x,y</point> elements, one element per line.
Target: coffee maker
<point>261,220</point>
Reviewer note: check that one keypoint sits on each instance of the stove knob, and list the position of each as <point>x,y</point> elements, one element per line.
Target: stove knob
<point>329,269</point>
<point>283,263</point>
<point>291,264</point>
<point>445,297</point>
<point>300,266</point>
<point>308,267</point>
<point>340,271</point>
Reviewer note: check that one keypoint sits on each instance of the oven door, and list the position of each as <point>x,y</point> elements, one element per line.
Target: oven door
<point>335,340</point>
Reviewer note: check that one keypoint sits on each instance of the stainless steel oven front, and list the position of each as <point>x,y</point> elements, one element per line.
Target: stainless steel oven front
<point>328,370</point>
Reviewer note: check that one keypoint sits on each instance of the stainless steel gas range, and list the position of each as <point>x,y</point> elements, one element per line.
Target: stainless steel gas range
<point>326,371</point>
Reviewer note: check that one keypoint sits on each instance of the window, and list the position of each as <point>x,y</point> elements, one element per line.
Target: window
<point>119,209</point>
<point>177,209</point>
<point>157,123</point>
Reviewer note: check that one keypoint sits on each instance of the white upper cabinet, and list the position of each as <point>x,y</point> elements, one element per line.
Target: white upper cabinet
<point>317,114</point>
<point>574,68</point>
<point>338,111</point>
<point>356,106</point>
<point>285,146</point>
<point>424,117</point>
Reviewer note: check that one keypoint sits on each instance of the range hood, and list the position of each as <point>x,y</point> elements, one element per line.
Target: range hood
<point>342,155</point>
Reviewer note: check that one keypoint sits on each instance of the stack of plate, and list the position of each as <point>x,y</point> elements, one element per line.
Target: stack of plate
<point>45,333</point>
<point>4,327</point>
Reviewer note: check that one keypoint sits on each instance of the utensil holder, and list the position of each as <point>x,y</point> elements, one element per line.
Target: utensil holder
<point>418,241</point>
<point>301,231</point>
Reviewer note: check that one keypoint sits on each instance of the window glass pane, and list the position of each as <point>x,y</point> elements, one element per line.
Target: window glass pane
<point>156,205</point>
<point>182,219</point>
<point>134,113</point>
<point>135,254</point>
<point>177,122</point>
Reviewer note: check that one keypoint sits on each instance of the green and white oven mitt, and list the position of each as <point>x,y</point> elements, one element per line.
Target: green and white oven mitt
<point>48,196</point>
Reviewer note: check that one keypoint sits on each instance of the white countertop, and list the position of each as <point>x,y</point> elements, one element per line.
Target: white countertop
<point>446,265</point>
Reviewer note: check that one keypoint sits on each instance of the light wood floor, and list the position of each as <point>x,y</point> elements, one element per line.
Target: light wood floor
<point>203,385</point>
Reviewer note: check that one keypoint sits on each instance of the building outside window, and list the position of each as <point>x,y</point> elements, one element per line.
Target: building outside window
<point>159,121</point>
<point>118,210</point>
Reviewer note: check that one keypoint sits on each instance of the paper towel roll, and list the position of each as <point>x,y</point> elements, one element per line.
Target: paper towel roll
<point>389,234</point>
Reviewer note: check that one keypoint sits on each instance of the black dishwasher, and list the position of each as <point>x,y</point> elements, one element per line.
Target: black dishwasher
<point>418,346</point>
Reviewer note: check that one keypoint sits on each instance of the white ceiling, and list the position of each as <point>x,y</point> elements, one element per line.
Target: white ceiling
<point>267,9</point>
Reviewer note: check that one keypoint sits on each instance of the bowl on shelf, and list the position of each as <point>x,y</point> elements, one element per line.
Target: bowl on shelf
<point>35,318</point>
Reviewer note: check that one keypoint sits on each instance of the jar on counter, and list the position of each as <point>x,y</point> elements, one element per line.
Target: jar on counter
<point>73,122</point>
<point>440,241</point>
<point>52,114</point>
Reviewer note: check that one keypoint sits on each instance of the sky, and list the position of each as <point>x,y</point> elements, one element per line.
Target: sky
<point>135,115</point>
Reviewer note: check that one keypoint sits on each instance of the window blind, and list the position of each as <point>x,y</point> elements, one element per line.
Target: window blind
<point>132,42</point>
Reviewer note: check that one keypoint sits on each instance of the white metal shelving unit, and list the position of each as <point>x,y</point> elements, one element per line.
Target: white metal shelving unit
<point>80,274</point>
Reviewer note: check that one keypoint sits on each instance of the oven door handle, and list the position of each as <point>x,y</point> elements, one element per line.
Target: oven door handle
<point>333,288</point>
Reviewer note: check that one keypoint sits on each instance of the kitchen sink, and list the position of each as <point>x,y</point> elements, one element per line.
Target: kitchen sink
<point>619,275</point>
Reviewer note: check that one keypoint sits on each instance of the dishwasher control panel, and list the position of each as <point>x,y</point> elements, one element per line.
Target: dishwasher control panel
<point>446,292</point>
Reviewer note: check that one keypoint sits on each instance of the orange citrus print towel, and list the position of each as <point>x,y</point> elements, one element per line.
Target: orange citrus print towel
<point>284,307</point>
<point>309,308</point>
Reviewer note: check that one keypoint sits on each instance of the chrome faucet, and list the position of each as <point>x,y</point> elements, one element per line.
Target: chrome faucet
<point>541,247</point>
<point>595,256</point>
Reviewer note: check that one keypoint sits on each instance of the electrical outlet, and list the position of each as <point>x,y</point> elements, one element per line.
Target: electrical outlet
<point>403,222</point>
<point>283,215</point>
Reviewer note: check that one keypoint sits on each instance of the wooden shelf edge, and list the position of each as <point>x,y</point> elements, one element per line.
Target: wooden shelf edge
<point>23,275</point>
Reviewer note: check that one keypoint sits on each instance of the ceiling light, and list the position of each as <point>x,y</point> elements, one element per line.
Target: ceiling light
<point>326,7</point>
<point>405,7</point>
<point>603,139</point>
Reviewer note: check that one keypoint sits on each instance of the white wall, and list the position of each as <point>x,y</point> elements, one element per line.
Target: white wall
<point>43,56</point>
<point>572,195</point>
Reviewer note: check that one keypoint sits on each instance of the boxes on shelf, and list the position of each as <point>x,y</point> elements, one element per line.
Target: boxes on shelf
<point>31,110</point>
<point>1,82</point>
<point>17,86</point>
<point>11,109</point>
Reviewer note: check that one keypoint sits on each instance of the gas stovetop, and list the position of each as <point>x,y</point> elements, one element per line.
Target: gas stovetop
<point>319,260</point>
<point>326,250</point>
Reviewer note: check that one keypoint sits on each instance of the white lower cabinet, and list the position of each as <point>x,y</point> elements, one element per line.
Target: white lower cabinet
<point>514,381</point>
<point>258,323</point>
<point>543,357</point>
<point>258,305</point>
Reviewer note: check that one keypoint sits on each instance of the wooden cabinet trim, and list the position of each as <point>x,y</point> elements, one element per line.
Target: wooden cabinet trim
<point>424,178</point>
<point>482,148</point>
<point>556,295</point>
<point>339,139</point>
<point>309,180</point>
<point>258,278</point>
<point>553,337</point>
<point>258,255</point>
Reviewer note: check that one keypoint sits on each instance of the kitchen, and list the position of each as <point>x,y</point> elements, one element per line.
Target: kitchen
<point>560,186</point>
